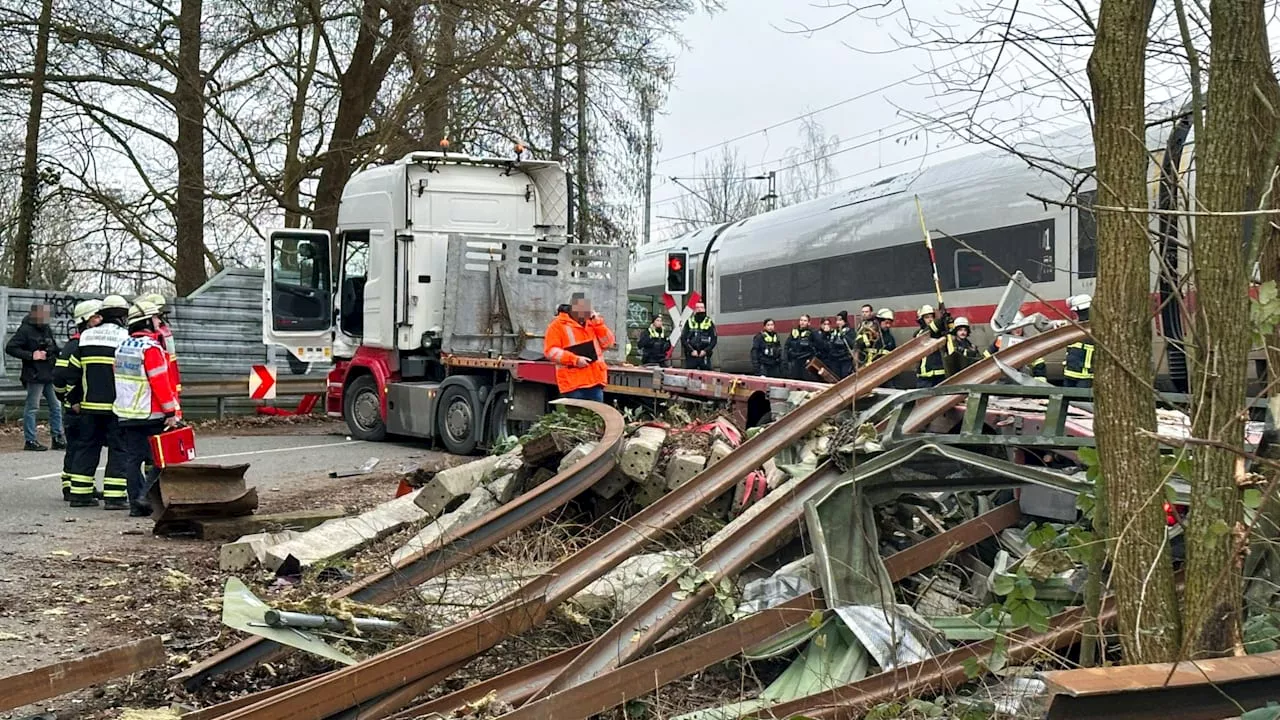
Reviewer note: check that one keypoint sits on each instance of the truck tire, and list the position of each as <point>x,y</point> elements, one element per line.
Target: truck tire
<point>362,409</point>
<point>456,420</point>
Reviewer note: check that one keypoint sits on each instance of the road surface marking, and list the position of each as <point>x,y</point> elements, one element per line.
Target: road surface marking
<point>344,443</point>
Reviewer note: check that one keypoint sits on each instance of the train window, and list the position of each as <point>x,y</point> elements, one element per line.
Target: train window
<point>987,258</point>
<point>806,283</point>
<point>838,275</point>
<point>1086,235</point>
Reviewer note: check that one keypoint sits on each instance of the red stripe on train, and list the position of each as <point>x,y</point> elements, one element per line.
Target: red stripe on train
<point>977,315</point>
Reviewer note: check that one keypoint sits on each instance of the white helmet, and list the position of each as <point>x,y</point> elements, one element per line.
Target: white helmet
<point>85,309</point>
<point>142,310</point>
<point>114,302</point>
<point>884,314</point>
<point>961,321</point>
<point>1079,302</point>
<point>924,310</point>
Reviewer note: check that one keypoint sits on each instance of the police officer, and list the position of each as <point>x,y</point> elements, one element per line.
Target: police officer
<point>85,314</point>
<point>1078,370</point>
<point>698,339</point>
<point>803,346</point>
<point>841,346</point>
<point>1013,337</point>
<point>961,352</point>
<point>91,378</point>
<point>932,369</point>
<point>655,348</point>
<point>766,351</point>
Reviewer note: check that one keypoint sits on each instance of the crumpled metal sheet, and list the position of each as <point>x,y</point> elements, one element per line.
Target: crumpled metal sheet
<point>894,634</point>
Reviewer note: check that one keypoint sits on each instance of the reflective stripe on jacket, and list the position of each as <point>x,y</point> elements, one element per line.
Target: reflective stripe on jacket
<point>565,332</point>
<point>91,368</point>
<point>62,375</point>
<point>931,365</point>
<point>143,388</point>
<point>166,341</point>
<point>1079,364</point>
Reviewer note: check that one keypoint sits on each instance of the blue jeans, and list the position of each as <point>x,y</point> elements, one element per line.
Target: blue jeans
<point>592,393</point>
<point>34,390</point>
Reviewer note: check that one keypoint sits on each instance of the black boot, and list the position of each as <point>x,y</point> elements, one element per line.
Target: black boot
<point>83,501</point>
<point>139,510</point>
<point>66,493</point>
<point>59,442</point>
<point>34,447</point>
<point>115,504</point>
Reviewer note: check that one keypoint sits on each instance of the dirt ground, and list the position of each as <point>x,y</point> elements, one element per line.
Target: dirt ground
<point>101,590</point>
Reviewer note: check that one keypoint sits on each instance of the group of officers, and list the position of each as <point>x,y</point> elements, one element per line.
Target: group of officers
<point>841,347</point>
<point>118,382</point>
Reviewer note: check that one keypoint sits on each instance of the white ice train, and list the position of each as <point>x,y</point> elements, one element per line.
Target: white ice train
<point>865,246</point>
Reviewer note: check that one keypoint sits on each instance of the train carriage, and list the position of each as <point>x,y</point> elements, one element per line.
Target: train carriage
<point>865,246</point>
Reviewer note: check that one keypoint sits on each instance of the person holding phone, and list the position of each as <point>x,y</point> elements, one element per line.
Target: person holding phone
<point>575,341</point>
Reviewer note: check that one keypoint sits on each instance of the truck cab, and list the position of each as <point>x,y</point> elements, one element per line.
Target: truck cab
<point>448,269</point>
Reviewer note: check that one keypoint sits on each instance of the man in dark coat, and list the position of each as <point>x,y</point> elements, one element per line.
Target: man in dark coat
<point>36,347</point>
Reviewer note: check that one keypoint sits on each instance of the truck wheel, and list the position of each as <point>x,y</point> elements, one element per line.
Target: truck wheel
<point>498,425</point>
<point>362,409</point>
<point>456,420</point>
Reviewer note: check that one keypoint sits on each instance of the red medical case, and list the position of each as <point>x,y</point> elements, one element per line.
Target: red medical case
<point>173,447</point>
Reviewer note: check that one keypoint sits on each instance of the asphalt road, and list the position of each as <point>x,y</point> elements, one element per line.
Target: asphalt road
<point>32,512</point>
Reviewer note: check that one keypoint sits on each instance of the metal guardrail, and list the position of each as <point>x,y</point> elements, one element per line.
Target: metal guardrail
<point>219,390</point>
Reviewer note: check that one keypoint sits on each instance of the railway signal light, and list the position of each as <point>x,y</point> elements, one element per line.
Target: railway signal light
<point>677,272</point>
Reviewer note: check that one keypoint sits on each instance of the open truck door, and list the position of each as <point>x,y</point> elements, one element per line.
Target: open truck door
<point>297,295</point>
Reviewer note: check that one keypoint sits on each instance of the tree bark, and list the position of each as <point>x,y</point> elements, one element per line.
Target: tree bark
<point>1142,570</point>
<point>436,111</point>
<point>1219,348</point>
<point>357,88</point>
<point>557,83</point>
<point>28,200</point>
<point>583,135</point>
<point>188,104</point>
<point>293,170</point>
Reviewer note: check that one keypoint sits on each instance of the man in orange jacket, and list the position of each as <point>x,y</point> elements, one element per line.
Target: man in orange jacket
<point>577,374</point>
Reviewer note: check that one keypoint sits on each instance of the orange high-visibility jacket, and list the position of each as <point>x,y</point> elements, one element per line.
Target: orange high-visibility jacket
<point>564,332</point>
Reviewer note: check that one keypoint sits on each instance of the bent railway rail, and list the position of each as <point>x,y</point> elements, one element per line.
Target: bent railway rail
<point>388,672</point>
<point>456,547</point>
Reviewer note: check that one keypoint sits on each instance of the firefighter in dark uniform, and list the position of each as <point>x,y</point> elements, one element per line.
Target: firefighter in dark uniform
<point>766,351</point>
<point>961,352</point>
<point>91,378</point>
<point>698,339</point>
<point>932,370</point>
<point>1015,336</point>
<point>803,346</point>
<point>655,348</point>
<point>1078,369</point>
<point>85,315</point>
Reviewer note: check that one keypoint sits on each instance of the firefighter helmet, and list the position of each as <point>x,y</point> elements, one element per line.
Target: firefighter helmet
<point>114,302</point>
<point>884,314</point>
<point>959,322</point>
<point>155,299</point>
<point>1079,302</point>
<point>142,310</point>
<point>924,310</point>
<point>85,309</point>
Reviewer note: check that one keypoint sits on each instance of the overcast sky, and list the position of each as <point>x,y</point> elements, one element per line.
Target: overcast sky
<point>743,71</point>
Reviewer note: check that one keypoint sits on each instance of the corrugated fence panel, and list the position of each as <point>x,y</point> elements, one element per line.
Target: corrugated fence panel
<point>217,330</point>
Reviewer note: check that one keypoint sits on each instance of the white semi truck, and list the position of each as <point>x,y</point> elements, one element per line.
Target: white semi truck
<point>448,270</point>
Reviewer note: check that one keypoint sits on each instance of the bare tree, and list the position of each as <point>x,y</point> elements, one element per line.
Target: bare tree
<point>808,170</point>
<point>28,199</point>
<point>724,192</point>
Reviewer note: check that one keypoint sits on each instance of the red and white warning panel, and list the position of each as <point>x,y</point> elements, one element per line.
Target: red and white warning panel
<point>262,383</point>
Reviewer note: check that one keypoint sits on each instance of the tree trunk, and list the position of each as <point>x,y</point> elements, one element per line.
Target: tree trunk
<point>436,109</point>
<point>188,103</point>
<point>293,169</point>
<point>557,84</point>
<point>582,149</point>
<point>28,200</point>
<point>1142,570</point>
<point>1219,347</point>
<point>357,88</point>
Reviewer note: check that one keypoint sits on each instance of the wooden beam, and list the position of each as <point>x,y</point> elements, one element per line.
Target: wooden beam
<point>64,677</point>
<point>236,527</point>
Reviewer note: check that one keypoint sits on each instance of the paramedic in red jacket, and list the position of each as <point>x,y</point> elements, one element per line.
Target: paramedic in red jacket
<point>165,337</point>
<point>146,403</point>
<point>578,376</point>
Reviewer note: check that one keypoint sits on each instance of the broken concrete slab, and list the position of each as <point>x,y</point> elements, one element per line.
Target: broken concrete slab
<point>503,488</point>
<point>640,453</point>
<point>477,504</point>
<point>337,538</point>
<point>574,456</point>
<point>251,550</point>
<point>449,485</point>
<point>682,467</point>
<point>719,451</point>
<point>610,485</point>
<point>631,582</point>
